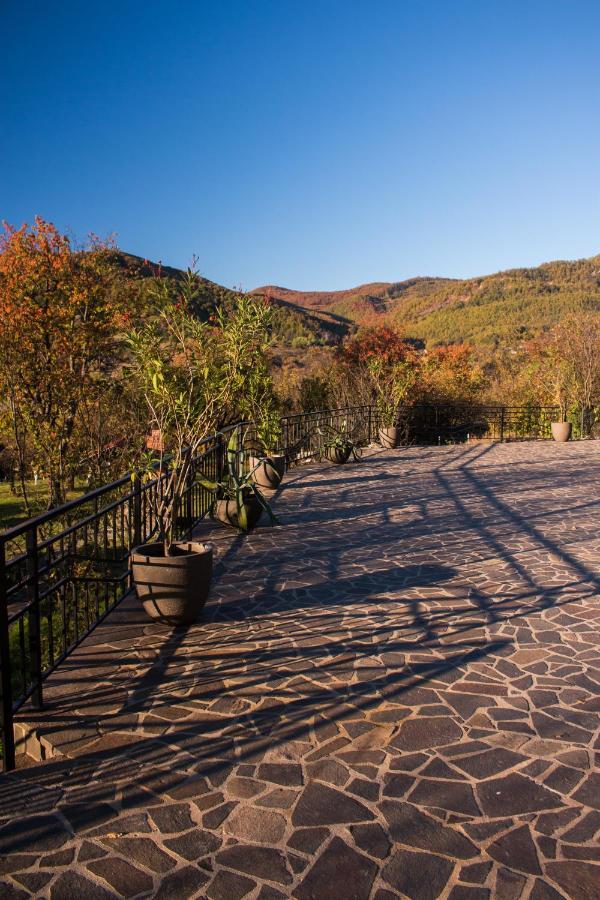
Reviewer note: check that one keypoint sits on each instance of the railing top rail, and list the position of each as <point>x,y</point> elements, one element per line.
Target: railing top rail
<point>324,412</point>
<point>22,527</point>
<point>475,406</point>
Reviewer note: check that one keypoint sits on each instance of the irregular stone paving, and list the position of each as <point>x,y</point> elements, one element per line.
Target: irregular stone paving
<point>395,694</point>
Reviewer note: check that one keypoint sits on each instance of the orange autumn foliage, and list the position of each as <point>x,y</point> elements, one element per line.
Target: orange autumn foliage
<point>450,374</point>
<point>60,308</point>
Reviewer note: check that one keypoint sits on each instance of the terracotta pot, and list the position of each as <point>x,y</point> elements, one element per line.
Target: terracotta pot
<point>173,589</point>
<point>561,431</point>
<point>268,472</point>
<point>226,512</point>
<point>338,455</point>
<point>389,437</point>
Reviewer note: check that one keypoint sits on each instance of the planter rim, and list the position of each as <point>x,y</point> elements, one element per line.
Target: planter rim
<point>156,549</point>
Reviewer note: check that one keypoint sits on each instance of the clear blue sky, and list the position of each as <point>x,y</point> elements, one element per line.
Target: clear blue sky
<point>314,143</point>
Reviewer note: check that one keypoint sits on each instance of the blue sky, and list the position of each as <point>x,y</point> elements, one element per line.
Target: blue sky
<point>312,144</point>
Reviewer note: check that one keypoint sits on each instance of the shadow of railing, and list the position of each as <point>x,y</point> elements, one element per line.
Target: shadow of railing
<point>302,642</point>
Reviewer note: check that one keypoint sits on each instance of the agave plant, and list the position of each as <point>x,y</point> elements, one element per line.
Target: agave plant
<point>236,485</point>
<point>334,439</point>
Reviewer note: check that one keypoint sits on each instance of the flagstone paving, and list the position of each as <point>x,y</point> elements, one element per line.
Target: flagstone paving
<point>394,694</point>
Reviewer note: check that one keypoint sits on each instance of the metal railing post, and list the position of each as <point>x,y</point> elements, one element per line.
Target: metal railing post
<point>220,457</point>
<point>502,424</point>
<point>137,512</point>
<point>33,602</point>
<point>189,515</point>
<point>6,700</point>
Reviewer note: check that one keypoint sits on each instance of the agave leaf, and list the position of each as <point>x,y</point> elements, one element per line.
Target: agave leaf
<point>266,506</point>
<point>232,443</point>
<point>243,517</point>
<point>209,485</point>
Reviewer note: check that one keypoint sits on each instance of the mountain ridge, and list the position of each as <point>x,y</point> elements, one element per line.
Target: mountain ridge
<point>485,309</point>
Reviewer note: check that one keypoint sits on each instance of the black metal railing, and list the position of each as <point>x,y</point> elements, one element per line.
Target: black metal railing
<point>459,422</point>
<point>62,572</point>
<point>304,434</point>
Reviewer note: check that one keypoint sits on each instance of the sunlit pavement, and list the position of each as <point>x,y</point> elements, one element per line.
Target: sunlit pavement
<point>395,693</point>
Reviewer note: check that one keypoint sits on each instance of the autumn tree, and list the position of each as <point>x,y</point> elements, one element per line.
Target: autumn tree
<point>377,366</point>
<point>450,374</point>
<point>579,335</point>
<point>61,308</point>
<point>111,426</point>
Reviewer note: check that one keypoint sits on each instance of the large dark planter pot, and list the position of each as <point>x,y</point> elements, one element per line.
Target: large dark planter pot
<point>389,437</point>
<point>561,431</point>
<point>339,455</point>
<point>269,471</point>
<point>226,512</point>
<point>173,589</point>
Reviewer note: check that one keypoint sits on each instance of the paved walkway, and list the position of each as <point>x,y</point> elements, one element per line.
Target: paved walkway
<point>396,693</point>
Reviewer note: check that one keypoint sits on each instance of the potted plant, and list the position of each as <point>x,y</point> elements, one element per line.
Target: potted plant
<point>392,382</point>
<point>238,501</point>
<point>178,379</point>
<point>268,465</point>
<point>561,429</point>
<point>559,379</point>
<point>336,445</point>
<point>552,371</point>
<point>389,433</point>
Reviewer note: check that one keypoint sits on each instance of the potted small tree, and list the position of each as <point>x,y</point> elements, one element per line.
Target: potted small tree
<point>561,430</point>
<point>336,444</point>
<point>551,371</point>
<point>392,383</point>
<point>268,464</point>
<point>238,501</point>
<point>179,380</point>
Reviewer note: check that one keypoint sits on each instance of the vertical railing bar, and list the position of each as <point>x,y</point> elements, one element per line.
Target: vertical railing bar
<point>6,698</point>
<point>33,601</point>
<point>23,659</point>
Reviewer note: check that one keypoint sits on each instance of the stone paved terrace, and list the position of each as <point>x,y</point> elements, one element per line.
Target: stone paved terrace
<point>397,693</point>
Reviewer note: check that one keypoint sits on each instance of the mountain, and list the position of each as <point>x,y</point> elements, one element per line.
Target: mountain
<point>293,326</point>
<point>490,309</point>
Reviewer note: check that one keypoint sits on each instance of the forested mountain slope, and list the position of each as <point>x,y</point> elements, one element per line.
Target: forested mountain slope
<point>486,310</point>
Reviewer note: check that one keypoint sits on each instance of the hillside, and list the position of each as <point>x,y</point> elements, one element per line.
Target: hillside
<point>491,309</point>
<point>293,327</point>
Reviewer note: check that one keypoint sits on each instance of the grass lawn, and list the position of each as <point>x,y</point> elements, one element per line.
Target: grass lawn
<point>12,510</point>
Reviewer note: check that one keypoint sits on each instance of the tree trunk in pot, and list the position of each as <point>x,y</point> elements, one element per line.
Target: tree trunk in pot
<point>561,431</point>
<point>173,589</point>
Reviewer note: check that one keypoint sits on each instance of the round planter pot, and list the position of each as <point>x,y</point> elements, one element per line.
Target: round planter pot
<point>338,455</point>
<point>173,589</point>
<point>268,471</point>
<point>561,431</point>
<point>389,437</point>
<point>226,512</point>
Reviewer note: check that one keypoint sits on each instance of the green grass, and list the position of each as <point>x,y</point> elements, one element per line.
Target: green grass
<point>12,509</point>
